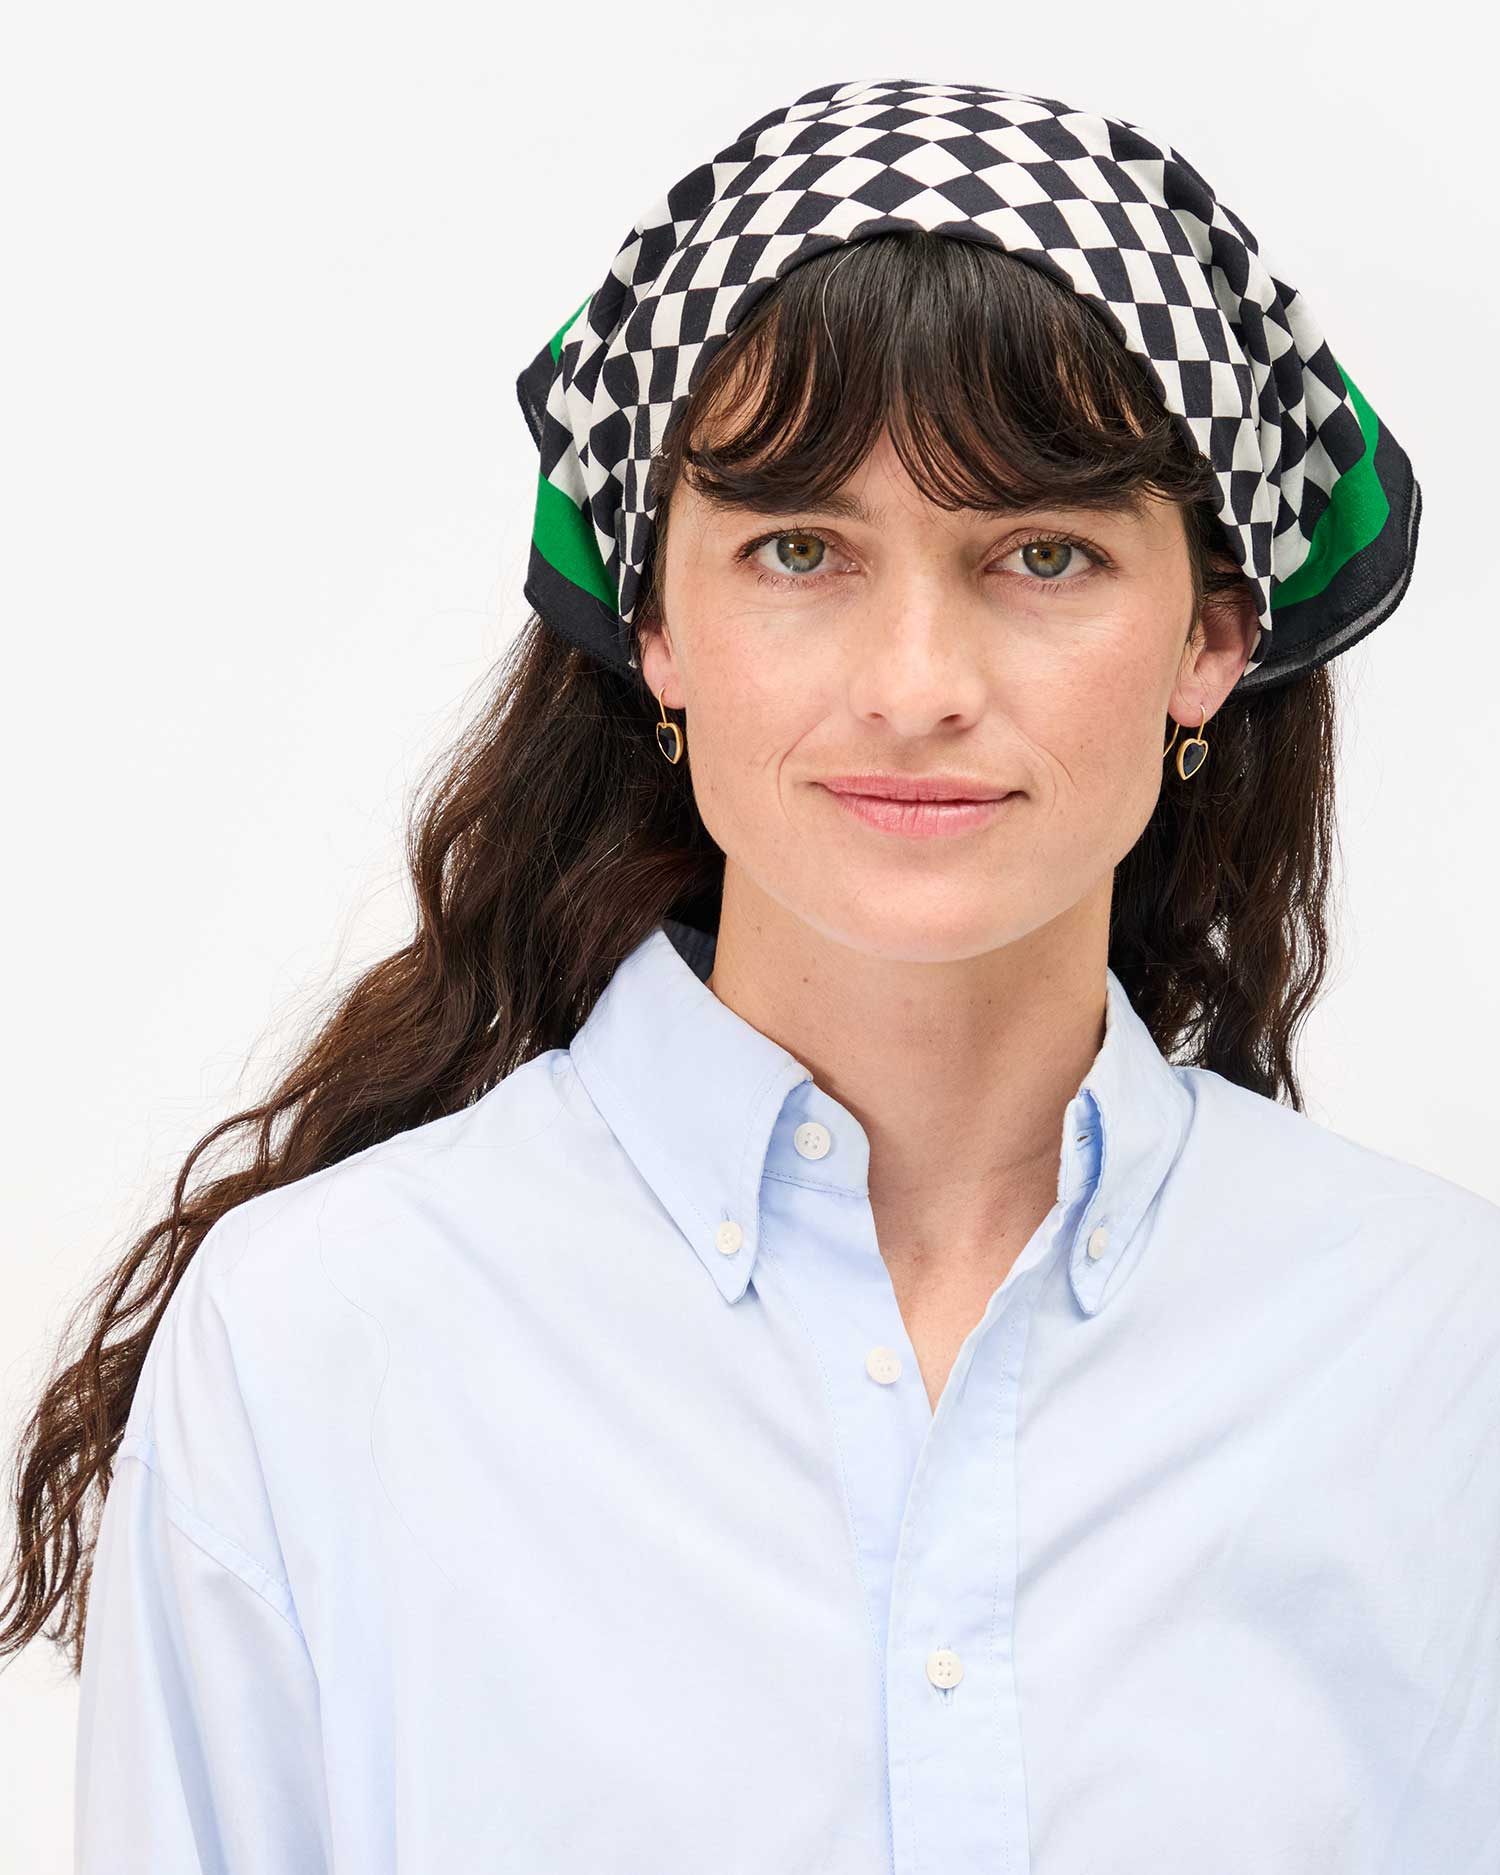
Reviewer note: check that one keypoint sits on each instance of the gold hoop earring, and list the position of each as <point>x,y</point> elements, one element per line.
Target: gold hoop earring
<point>672,748</point>
<point>1193,753</point>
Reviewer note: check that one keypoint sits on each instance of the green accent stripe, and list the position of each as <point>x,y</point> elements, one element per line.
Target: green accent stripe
<point>564,536</point>
<point>1357,510</point>
<point>557,337</point>
<point>561,532</point>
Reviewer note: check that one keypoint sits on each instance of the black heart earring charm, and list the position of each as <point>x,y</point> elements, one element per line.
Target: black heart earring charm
<point>1193,753</point>
<point>668,735</point>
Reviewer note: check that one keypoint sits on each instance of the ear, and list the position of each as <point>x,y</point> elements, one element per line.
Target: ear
<point>1223,642</point>
<point>658,662</point>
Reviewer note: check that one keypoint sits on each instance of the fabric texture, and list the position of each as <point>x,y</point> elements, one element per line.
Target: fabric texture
<point>1316,495</point>
<point>552,1488</point>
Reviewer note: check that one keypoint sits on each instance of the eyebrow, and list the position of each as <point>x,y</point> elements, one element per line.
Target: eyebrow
<point>1130,504</point>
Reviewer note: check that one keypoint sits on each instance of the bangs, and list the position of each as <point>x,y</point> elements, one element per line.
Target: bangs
<point>1001,388</point>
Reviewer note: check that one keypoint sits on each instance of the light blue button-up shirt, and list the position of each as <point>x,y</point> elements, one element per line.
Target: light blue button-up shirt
<point>553,1489</point>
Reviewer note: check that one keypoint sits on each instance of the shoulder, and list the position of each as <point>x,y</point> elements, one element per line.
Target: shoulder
<point>447,1168</point>
<point>265,1287</point>
<point>285,1317</point>
<point>1276,1168</point>
<point>1346,1279</point>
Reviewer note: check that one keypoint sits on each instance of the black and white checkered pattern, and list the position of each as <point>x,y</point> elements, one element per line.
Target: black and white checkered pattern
<point>1124,220</point>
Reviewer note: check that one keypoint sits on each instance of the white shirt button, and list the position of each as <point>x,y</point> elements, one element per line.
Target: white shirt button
<point>884,1365</point>
<point>812,1139</point>
<point>729,1237</point>
<point>944,1668</point>
<point>1098,1242</point>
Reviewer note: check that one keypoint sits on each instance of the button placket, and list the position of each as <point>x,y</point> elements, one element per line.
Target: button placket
<point>957,1775</point>
<point>818,1249</point>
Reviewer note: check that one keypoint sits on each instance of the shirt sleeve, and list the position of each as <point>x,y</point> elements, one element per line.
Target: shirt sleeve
<point>199,1748</point>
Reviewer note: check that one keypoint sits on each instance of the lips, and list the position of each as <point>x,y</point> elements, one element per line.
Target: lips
<point>935,788</point>
<point>935,800</point>
<point>922,819</point>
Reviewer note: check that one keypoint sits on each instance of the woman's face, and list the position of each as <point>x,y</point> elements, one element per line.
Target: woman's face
<point>906,639</point>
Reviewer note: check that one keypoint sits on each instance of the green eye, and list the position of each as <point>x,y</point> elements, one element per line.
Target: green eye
<point>807,544</point>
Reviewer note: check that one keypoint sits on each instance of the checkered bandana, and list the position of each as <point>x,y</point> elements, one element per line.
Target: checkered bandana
<point>1317,497</point>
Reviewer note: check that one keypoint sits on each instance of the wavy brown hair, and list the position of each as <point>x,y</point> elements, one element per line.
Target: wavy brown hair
<point>552,837</point>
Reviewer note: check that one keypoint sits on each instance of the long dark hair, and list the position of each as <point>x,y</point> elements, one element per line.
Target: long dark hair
<point>552,838</point>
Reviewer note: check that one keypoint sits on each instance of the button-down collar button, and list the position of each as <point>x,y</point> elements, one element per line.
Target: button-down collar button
<point>944,1668</point>
<point>812,1139</point>
<point>884,1365</point>
<point>729,1237</point>
<point>1098,1242</point>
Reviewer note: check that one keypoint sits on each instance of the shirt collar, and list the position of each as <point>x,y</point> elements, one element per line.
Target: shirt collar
<point>704,1104</point>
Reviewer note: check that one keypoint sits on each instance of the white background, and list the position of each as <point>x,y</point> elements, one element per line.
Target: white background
<point>271,274</point>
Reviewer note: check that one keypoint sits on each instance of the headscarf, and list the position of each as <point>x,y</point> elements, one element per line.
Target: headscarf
<point>1316,496</point>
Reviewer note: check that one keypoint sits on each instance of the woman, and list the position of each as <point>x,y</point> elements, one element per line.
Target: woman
<point>739,1348</point>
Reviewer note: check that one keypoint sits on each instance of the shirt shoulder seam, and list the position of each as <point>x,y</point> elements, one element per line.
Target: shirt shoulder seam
<point>213,1543</point>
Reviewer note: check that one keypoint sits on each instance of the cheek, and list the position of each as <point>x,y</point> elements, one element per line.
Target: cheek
<point>744,731</point>
<point>1094,748</point>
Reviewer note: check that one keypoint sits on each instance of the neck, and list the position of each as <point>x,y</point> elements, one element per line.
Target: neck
<point>959,1070</point>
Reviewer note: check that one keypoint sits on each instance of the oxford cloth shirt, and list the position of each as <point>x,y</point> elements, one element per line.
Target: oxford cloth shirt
<point>552,1488</point>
